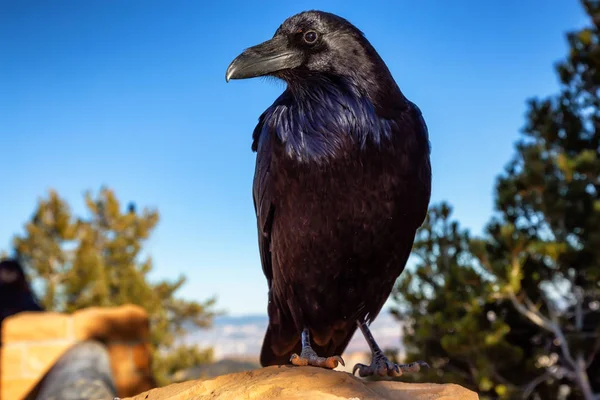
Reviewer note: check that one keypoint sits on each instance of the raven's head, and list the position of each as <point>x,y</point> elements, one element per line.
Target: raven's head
<point>313,43</point>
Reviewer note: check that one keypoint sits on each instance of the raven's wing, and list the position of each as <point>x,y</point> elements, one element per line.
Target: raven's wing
<point>422,195</point>
<point>262,193</point>
<point>281,336</point>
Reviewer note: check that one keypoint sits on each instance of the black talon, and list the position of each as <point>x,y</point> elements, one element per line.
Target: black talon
<point>380,365</point>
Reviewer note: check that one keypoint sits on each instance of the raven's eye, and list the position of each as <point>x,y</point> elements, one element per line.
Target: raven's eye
<point>310,37</point>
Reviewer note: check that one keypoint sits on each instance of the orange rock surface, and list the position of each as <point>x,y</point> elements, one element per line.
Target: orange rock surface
<point>305,383</point>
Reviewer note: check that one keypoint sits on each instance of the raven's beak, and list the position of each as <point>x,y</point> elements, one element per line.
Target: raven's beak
<point>264,59</point>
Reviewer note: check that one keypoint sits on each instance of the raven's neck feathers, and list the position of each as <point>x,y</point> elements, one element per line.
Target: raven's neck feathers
<point>322,117</point>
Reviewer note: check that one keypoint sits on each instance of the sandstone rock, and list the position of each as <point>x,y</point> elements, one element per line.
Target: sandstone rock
<point>33,341</point>
<point>287,382</point>
<point>124,323</point>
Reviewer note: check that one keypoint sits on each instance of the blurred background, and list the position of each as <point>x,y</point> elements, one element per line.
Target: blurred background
<point>126,179</point>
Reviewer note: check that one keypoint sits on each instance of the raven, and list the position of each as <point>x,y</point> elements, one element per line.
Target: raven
<point>342,182</point>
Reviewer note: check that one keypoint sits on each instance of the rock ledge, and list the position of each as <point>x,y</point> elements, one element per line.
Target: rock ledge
<point>287,382</point>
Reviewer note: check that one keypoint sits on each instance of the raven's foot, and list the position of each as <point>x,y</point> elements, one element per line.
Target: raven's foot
<point>380,365</point>
<point>310,357</point>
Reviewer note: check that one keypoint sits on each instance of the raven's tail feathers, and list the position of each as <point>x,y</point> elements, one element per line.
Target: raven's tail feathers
<point>268,355</point>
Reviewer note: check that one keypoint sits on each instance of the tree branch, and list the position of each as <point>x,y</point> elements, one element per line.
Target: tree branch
<point>578,307</point>
<point>499,377</point>
<point>537,318</point>
<point>593,353</point>
<point>583,379</point>
<point>533,315</point>
<point>530,387</point>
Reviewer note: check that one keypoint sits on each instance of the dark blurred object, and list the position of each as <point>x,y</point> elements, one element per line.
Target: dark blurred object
<point>15,294</point>
<point>82,373</point>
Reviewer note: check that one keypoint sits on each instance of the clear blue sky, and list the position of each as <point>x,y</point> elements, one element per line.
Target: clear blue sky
<point>132,94</point>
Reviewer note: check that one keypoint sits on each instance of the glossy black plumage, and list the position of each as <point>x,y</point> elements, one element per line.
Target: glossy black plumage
<point>342,182</point>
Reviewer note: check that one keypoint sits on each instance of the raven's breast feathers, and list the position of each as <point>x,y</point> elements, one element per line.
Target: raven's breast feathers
<point>321,118</point>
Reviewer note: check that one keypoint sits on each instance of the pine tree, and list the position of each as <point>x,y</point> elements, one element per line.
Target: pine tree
<point>452,320</point>
<point>549,216</point>
<point>96,260</point>
<point>538,265</point>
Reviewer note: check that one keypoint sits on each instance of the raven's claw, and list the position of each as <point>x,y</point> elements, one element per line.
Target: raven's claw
<point>309,357</point>
<point>383,367</point>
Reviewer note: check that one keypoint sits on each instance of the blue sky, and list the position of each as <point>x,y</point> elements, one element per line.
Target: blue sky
<point>132,95</point>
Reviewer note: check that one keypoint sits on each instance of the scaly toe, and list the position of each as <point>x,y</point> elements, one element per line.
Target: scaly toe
<point>360,368</point>
<point>298,361</point>
<point>316,361</point>
<point>331,362</point>
<point>395,371</point>
<point>388,368</point>
<point>382,367</point>
<point>413,367</point>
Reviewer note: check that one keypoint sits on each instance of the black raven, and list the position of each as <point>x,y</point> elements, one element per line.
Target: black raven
<point>342,182</point>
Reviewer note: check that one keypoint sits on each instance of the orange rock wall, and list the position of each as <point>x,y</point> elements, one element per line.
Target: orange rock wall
<point>33,341</point>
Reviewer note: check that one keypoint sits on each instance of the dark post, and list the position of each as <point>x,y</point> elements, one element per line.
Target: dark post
<point>82,373</point>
